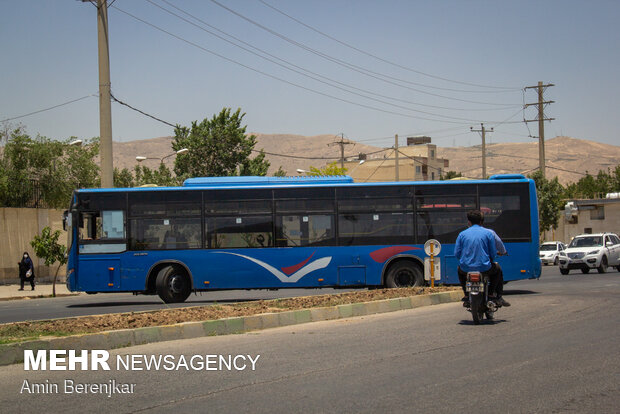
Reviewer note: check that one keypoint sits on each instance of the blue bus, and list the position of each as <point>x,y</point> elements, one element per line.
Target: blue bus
<point>288,232</point>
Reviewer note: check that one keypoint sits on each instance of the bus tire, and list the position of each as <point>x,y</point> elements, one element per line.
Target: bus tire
<point>404,274</point>
<point>173,285</point>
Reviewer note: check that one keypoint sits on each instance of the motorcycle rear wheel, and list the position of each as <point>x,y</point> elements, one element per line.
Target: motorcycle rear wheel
<point>477,311</point>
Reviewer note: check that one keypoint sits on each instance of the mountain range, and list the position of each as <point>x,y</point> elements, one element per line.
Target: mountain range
<point>567,158</point>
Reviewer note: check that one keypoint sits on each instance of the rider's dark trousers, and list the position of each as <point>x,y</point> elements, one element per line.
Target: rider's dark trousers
<point>496,277</point>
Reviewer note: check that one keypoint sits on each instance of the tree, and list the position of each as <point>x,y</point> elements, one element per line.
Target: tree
<point>81,169</point>
<point>450,175</point>
<point>161,176</point>
<point>329,169</point>
<point>217,147</point>
<point>15,183</point>
<point>255,166</point>
<point>280,172</point>
<point>123,178</point>
<point>595,187</point>
<point>54,167</point>
<point>550,201</point>
<point>46,247</point>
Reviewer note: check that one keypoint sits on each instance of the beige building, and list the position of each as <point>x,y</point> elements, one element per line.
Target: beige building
<point>587,216</point>
<point>416,162</point>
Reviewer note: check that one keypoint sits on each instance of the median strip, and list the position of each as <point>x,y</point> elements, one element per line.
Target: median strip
<point>137,328</point>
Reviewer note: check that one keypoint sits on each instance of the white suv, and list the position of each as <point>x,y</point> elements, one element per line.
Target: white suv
<point>592,251</point>
<point>550,252</point>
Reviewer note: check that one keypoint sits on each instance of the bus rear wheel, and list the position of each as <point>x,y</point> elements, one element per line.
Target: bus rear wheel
<point>173,284</point>
<point>404,274</point>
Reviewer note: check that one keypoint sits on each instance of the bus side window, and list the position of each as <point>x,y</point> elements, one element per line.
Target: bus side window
<point>87,225</point>
<point>102,231</point>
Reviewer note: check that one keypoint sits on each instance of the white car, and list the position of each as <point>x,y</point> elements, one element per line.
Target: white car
<point>550,252</point>
<point>592,251</point>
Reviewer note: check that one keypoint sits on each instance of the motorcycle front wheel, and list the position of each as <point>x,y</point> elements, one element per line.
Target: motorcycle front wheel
<point>477,311</point>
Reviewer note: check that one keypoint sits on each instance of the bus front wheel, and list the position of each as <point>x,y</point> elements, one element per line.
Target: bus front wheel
<point>404,274</point>
<point>173,284</point>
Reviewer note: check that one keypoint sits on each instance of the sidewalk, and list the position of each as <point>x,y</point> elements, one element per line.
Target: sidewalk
<point>43,290</point>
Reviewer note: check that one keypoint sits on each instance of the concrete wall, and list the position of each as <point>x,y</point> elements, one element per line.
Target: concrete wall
<point>18,226</point>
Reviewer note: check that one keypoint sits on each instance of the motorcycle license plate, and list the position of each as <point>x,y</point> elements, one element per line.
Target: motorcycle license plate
<point>473,287</point>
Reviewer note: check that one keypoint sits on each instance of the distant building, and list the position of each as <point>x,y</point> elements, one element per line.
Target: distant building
<point>416,162</point>
<point>587,216</point>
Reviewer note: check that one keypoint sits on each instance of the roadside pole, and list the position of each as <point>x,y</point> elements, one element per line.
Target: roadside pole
<point>432,268</point>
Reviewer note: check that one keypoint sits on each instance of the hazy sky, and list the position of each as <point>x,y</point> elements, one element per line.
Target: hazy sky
<point>368,69</point>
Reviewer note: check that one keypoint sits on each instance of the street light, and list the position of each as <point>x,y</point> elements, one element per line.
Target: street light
<point>77,142</point>
<point>141,158</point>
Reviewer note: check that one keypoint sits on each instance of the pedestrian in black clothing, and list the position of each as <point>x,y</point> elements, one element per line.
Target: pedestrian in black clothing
<point>26,271</point>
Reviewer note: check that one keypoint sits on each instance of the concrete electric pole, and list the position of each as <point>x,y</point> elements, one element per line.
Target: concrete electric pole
<point>541,122</point>
<point>396,160</point>
<point>105,102</point>
<point>342,143</point>
<point>483,131</point>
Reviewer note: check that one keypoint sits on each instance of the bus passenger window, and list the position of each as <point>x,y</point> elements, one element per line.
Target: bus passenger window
<point>305,230</point>
<point>239,232</point>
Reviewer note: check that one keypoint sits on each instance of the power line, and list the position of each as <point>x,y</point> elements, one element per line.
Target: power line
<point>350,66</point>
<point>310,158</point>
<point>253,150</point>
<point>330,82</point>
<point>295,156</point>
<point>507,89</point>
<point>49,108</point>
<point>376,169</point>
<point>142,112</point>
<point>569,171</point>
<point>277,78</point>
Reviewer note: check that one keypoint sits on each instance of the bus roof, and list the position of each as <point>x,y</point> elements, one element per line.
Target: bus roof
<point>288,182</point>
<point>253,181</point>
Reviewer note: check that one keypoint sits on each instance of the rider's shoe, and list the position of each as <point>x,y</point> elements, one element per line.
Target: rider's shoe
<point>465,301</point>
<point>501,302</point>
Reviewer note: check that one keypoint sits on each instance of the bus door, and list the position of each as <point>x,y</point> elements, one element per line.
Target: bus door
<point>101,242</point>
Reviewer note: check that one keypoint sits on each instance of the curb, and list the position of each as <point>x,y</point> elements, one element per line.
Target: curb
<point>13,353</point>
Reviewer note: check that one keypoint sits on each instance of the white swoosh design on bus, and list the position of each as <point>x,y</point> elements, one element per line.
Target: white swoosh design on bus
<point>310,267</point>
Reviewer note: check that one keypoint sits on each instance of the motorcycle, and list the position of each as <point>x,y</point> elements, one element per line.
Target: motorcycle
<point>477,288</point>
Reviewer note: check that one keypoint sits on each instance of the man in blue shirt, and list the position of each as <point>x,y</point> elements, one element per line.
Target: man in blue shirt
<point>476,250</point>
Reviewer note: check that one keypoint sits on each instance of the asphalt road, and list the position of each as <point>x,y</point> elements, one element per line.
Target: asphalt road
<point>554,350</point>
<point>63,307</point>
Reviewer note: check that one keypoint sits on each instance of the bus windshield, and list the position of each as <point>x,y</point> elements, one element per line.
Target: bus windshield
<point>592,241</point>
<point>548,247</point>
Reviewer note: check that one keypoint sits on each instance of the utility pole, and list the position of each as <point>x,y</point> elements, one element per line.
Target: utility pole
<point>483,131</point>
<point>342,143</point>
<point>105,103</point>
<point>396,161</point>
<point>541,122</point>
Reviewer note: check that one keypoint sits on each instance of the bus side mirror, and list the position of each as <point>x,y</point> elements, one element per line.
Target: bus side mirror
<point>65,214</point>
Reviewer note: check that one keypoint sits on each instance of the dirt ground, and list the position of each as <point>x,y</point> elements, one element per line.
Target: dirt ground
<point>87,324</point>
